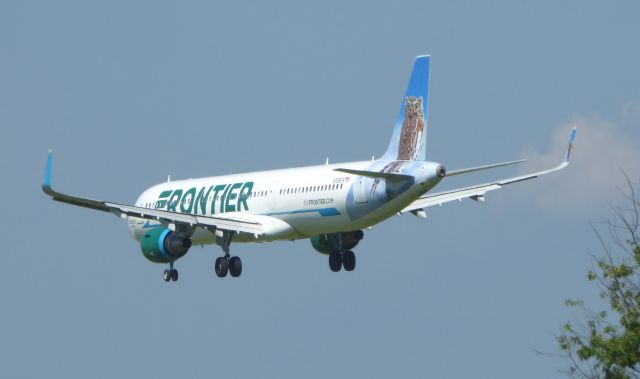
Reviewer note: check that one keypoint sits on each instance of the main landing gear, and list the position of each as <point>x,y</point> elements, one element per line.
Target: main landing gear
<point>227,264</point>
<point>170,274</point>
<point>342,256</point>
<point>340,259</point>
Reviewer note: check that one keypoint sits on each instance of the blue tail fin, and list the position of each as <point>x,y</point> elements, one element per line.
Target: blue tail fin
<point>410,132</point>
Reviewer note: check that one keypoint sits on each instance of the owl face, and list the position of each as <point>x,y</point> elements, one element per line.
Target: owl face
<point>413,106</point>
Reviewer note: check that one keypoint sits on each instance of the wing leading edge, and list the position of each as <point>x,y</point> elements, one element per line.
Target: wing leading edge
<point>235,223</point>
<point>477,192</point>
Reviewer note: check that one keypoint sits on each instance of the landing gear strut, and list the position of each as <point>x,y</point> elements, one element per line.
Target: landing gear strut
<point>170,274</point>
<point>227,264</point>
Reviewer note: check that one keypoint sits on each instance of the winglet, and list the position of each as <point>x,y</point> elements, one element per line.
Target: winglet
<point>572,139</point>
<point>46,184</point>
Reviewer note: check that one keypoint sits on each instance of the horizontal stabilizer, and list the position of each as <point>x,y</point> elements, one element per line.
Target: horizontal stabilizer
<point>375,174</point>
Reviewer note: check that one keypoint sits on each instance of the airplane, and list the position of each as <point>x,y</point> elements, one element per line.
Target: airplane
<point>328,204</point>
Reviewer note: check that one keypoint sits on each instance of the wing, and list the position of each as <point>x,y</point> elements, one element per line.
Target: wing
<point>477,192</point>
<point>236,222</point>
<point>485,167</point>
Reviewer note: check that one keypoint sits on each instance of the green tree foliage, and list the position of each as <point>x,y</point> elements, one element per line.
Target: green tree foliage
<point>606,344</point>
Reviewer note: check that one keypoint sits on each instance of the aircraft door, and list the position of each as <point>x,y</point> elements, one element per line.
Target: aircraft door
<point>359,193</point>
<point>274,189</point>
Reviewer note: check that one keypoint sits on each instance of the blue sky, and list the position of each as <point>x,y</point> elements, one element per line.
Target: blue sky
<point>129,92</point>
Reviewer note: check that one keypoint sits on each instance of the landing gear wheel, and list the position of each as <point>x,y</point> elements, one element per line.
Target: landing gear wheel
<point>166,275</point>
<point>222,267</point>
<point>174,275</point>
<point>335,261</point>
<point>349,260</point>
<point>235,266</point>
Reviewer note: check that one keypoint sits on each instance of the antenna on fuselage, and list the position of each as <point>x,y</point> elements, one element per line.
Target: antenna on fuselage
<point>326,163</point>
<point>168,178</point>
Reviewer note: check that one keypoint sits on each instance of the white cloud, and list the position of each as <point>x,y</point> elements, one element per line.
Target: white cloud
<point>602,149</point>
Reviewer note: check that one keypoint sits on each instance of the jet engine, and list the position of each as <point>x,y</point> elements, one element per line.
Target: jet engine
<point>326,243</point>
<point>161,245</point>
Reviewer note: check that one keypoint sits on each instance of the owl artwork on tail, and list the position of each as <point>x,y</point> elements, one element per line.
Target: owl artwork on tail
<point>410,145</point>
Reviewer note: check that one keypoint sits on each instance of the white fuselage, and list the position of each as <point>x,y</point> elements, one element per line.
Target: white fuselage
<point>308,200</point>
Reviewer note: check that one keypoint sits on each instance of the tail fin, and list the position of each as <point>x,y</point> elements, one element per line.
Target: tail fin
<point>410,132</point>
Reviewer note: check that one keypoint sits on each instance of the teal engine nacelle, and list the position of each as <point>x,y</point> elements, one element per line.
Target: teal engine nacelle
<point>161,245</point>
<point>327,243</point>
